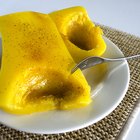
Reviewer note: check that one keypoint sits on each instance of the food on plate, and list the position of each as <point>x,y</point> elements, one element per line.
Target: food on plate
<point>79,33</point>
<point>35,73</point>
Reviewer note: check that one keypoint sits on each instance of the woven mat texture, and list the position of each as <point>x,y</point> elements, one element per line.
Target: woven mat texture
<point>109,127</point>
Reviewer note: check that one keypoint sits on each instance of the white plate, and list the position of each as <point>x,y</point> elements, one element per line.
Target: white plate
<point>109,89</point>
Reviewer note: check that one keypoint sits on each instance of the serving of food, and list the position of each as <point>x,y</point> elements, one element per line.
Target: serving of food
<point>39,51</point>
<point>37,75</point>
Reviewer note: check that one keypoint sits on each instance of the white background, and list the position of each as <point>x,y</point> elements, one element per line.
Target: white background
<point>120,14</point>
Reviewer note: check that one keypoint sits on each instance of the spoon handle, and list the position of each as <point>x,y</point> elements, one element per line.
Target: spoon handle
<point>121,58</point>
<point>92,61</point>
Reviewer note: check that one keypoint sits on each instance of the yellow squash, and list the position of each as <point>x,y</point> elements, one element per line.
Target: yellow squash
<point>79,33</point>
<point>35,70</point>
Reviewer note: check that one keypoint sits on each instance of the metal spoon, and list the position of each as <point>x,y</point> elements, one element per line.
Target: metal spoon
<point>94,60</point>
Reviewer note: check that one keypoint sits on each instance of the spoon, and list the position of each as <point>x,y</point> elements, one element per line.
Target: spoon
<point>95,60</point>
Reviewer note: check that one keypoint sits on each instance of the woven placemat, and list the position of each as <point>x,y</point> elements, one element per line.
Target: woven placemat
<point>111,126</point>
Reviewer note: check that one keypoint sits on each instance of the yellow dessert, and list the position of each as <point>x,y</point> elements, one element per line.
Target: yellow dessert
<point>35,71</point>
<point>79,33</point>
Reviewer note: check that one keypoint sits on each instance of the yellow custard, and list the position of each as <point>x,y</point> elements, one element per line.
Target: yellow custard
<point>38,53</point>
